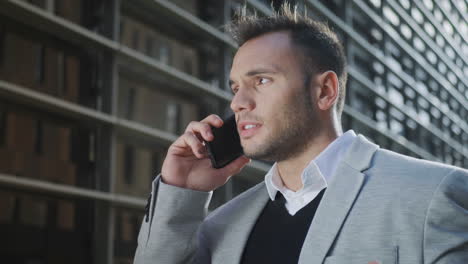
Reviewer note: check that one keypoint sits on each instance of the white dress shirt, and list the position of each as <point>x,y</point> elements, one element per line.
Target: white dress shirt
<point>314,177</point>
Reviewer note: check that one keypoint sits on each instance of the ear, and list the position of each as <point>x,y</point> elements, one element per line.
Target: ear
<point>327,92</point>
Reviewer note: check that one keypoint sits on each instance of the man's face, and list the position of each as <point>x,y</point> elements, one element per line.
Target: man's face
<point>275,112</point>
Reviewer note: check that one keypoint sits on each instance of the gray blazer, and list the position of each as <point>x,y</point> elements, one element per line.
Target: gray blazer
<point>379,206</point>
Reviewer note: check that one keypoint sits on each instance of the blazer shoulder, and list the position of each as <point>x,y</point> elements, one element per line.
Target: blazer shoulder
<point>393,156</point>
<point>390,163</point>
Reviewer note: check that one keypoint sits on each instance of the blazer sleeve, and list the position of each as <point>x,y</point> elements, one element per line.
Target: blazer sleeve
<point>171,234</point>
<point>446,225</point>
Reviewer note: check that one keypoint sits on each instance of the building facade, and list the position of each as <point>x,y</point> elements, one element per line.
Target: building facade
<point>93,92</point>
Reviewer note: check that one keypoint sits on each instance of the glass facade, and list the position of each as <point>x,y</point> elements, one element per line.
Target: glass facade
<point>93,92</point>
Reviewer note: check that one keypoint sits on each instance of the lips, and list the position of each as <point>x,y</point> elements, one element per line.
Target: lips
<point>248,128</point>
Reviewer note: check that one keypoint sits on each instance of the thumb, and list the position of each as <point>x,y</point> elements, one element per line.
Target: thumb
<point>235,166</point>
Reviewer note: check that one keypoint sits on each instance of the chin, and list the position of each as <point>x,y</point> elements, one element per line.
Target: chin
<point>247,151</point>
<point>250,150</point>
<point>259,152</point>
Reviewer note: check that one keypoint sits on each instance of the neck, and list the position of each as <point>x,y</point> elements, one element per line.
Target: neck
<point>290,170</point>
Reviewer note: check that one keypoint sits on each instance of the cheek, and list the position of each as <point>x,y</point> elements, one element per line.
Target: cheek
<point>278,111</point>
<point>289,101</point>
<point>273,106</point>
<point>281,101</point>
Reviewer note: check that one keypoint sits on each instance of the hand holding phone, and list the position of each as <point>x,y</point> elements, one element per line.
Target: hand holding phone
<point>188,164</point>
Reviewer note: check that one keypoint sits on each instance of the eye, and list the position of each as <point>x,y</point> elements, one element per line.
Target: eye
<point>262,80</point>
<point>234,90</point>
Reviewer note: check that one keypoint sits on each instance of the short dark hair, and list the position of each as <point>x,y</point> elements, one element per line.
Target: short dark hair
<point>319,45</point>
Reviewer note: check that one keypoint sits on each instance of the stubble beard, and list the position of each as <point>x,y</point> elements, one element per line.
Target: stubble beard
<point>294,135</point>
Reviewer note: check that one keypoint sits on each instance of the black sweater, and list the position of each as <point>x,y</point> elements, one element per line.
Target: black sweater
<point>277,236</point>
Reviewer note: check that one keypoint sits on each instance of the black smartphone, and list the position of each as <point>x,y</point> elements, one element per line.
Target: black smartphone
<point>226,146</point>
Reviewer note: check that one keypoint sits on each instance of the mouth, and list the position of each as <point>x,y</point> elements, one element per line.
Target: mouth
<point>248,129</point>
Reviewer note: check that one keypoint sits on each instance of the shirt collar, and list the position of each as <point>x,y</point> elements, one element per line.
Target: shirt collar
<point>322,167</point>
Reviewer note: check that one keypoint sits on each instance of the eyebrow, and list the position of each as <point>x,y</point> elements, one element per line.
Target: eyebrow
<point>274,69</point>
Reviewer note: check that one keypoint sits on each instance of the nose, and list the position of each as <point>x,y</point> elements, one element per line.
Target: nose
<point>242,100</point>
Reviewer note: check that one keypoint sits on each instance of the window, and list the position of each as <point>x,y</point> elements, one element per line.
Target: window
<point>2,44</point>
<point>121,29</point>
<point>40,64</point>
<point>65,215</point>
<point>33,211</point>
<point>149,46</point>
<point>173,117</point>
<point>61,73</point>
<point>127,226</point>
<point>3,124</point>
<point>164,53</point>
<point>128,164</point>
<point>92,147</point>
<point>188,65</point>
<point>135,39</point>
<point>130,103</point>
<point>38,143</point>
<point>7,206</point>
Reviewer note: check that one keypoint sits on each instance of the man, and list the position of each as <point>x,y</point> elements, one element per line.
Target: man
<point>329,198</point>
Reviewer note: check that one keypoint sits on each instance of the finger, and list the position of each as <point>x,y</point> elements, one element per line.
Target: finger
<point>213,120</point>
<point>198,149</point>
<point>201,130</point>
<point>235,166</point>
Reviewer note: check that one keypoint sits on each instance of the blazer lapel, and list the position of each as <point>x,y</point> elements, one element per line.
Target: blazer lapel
<point>338,199</point>
<point>239,225</point>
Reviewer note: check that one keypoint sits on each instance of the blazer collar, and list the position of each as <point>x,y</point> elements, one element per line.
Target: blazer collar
<point>239,225</point>
<point>338,199</point>
<point>331,213</point>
